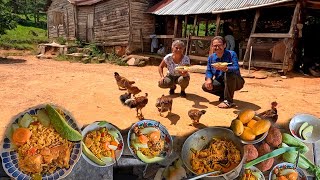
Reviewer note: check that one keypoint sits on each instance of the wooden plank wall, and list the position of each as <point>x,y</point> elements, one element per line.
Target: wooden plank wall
<point>111,22</point>
<point>140,20</point>
<point>67,29</point>
<point>82,19</point>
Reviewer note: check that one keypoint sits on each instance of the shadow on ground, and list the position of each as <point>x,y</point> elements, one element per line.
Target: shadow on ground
<point>240,105</point>
<point>197,100</point>
<point>11,61</point>
<point>174,118</point>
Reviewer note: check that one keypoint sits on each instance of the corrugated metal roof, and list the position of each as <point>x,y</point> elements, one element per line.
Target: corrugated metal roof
<point>186,7</point>
<point>84,2</point>
<point>159,5</point>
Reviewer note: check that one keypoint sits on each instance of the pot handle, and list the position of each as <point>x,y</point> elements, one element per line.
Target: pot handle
<point>231,175</point>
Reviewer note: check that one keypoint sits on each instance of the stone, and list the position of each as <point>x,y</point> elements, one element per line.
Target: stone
<point>133,62</point>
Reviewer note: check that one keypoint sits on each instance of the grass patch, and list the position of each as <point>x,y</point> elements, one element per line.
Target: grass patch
<point>23,38</point>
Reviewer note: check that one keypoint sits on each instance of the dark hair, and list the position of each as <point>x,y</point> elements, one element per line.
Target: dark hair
<point>220,38</point>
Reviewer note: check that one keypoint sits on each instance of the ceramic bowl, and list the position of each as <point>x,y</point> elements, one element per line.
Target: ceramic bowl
<point>9,156</point>
<point>97,125</point>
<point>298,120</point>
<point>286,165</point>
<point>254,169</point>
<point>168,145</point>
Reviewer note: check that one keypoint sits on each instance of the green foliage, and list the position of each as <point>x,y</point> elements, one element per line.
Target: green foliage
<point>23,37</point>
<point>61,40</point>
<point>6,17</point>
<point>114,59</point>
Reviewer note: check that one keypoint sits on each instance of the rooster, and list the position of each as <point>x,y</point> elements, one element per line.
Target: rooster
<point>138,103</point>
<point>271,114</point>
<point>164,103</point>
<point>122,82</point>
<point>195,115</point>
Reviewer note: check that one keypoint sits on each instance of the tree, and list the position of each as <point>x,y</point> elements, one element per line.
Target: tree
<point>6,17</point>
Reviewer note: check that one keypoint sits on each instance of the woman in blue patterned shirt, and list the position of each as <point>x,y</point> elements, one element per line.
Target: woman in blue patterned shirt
<point>223,81</point>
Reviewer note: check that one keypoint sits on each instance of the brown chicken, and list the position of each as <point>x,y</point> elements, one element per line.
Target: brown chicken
<point>271,114</point>
<point>133,90</point>
<point>164,103</point>
<point>195,115</point>
<point>122,82</point>
<point>138,103</point>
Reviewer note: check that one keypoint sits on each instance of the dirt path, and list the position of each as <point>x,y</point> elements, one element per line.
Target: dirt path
<point>90,93</point>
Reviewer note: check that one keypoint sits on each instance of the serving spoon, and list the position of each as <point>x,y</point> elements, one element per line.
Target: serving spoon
<point>204,175</point>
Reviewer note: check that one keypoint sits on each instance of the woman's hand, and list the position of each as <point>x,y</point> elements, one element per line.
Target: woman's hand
<point>208,84</point>
<point>161,80</point>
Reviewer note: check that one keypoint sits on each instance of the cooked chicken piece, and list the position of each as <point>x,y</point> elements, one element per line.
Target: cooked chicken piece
<point>164,104</point>
<point>31,164</point>
<point>122,82</point>
<point>133,90</point>
<point>195,115</point>
<point>138,103</point>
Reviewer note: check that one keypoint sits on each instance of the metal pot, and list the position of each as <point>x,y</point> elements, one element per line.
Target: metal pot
<point>201,138</point>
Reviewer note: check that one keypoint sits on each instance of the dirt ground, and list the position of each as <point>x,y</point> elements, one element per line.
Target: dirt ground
<point>90,93</point>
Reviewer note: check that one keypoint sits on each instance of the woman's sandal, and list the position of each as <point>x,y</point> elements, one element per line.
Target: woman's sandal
<point>226,104</point>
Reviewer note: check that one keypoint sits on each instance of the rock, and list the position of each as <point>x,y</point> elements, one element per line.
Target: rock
<point>133,62</point>
<point>142,63</point>
<point>198,69</point>
<point>101,60</point>
<point>85,60</point>
<point>283,77</point>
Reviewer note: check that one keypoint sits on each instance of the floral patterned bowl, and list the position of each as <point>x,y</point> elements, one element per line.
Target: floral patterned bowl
<point>10,156</point>
<point>168,145</point>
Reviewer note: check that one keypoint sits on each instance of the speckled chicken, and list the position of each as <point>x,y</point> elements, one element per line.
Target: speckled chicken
<point>195,115</point>
<point>138,103</point>
<point>122,82</point>
<point>164,104</point>
<point>124,97</point>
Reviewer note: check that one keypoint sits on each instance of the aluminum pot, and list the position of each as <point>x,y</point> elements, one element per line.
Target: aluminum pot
<point>202,138</point>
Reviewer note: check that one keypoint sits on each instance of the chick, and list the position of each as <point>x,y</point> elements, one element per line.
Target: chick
<point>271,114</point>
<point>164,103</point>
<point>195,115</point>
<point>122,82</point>
<point>138,103</point>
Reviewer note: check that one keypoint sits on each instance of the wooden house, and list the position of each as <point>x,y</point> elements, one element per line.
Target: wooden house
<point>104,22</point>
<point>267,31</point>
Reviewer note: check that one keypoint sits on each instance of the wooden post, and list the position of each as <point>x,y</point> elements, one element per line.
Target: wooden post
<point>185,26</point>
<point>194,24</point>
<point>289,41</point>
<point>207,24</point>
<point>215,33</point>
<point>217,25</point>
<point>198,27</point>
<point>141,39</point>
<point>67,24</point>
<point>75,16</point>
<point>175,30</point>
<point>256,17</point>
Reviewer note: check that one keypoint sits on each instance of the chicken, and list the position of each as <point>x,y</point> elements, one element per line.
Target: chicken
<point>271,114</point>
<point>138,103</point>
<point>164,103</point>
<point>133,90</point>
<point>195,115</point>
<point>122,82</point>
<point>124,97</point>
